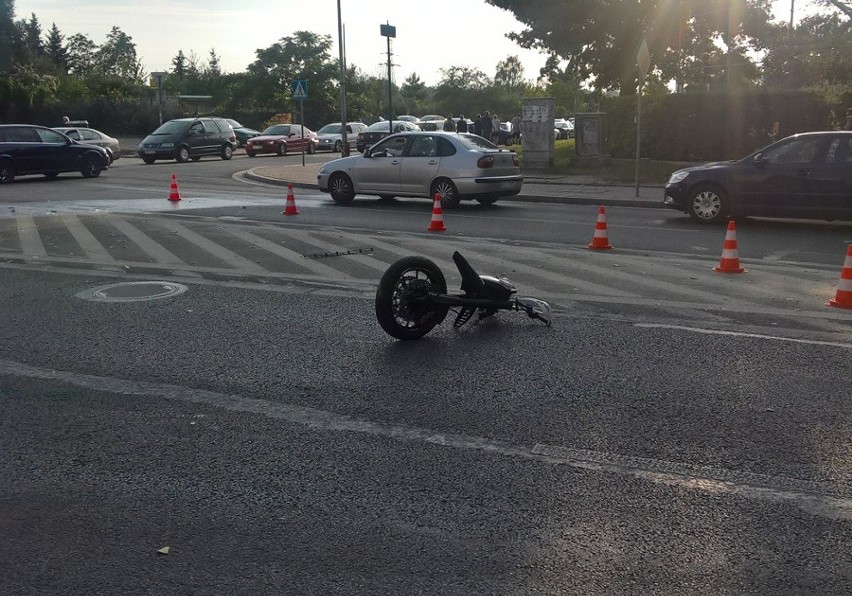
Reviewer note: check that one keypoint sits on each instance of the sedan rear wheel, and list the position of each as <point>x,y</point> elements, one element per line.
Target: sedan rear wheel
<point>341,189</point>
<point>708,204</point>
<point>311,149</point>
<point>444,188</point>
<point>227,152</point>
<point>282,149</point>
<point>7,170</point>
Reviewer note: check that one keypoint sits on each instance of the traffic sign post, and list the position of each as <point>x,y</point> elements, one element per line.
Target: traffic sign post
<point>300,92</point>
<point>643,61</point>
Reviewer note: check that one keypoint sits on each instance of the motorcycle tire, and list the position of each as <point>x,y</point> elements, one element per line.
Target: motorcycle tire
<point>403,308</point>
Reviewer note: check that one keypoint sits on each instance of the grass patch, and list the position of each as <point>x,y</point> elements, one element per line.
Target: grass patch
<point>616,171</point>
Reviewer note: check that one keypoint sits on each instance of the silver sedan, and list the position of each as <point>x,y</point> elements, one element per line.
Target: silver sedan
<point>424,164</point>
<point>90,136</point>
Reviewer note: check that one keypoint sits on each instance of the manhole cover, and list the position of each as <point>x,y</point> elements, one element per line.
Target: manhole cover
<point>133,291</point>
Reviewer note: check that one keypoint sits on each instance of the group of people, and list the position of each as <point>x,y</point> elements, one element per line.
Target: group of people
<point>485,125</point>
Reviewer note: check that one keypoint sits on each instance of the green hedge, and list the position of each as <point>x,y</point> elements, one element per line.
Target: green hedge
<point>717,126</point>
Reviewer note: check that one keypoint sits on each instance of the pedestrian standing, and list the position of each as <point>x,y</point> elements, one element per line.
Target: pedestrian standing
<point>516,129</point>
<point>495,129</point>
<point>486,125</point>
<point>462,125</point>
<point>449,125</point>
<point>477,125</point>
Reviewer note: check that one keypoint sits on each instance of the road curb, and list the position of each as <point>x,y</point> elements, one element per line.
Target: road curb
<point>567,199</point>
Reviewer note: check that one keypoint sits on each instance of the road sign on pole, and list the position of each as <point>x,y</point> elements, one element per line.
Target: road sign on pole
<point>300,89</point>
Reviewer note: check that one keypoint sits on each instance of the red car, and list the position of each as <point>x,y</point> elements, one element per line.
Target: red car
<point>281,139</point>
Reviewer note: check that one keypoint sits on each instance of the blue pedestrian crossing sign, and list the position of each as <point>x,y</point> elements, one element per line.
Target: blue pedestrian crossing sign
<point>300,89</point>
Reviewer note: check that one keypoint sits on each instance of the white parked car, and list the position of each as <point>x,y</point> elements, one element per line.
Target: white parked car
<point>331,136</point>
<point>422,164</point>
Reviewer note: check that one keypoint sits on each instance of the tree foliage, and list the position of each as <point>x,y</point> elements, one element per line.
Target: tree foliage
<point>599,39</point>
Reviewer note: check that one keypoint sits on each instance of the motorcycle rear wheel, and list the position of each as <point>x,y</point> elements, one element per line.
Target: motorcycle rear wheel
<point>403,307</point>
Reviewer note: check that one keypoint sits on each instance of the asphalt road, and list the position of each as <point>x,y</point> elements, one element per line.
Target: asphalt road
<point>676,430</point>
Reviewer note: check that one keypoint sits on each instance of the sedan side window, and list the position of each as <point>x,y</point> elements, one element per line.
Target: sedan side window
<point>89,135</point>
<point>51,136</point>
<point>445,148</point>
<point>22,135</point>
<point>797,151</point>
<point>840,151</point>
<point>392,147</point>
<point>423,147</point>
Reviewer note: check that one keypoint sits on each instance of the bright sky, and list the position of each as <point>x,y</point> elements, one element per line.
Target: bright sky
<point>429,35</point>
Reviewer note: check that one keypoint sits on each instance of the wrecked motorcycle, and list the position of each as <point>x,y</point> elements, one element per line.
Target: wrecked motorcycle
<point>412,297</point>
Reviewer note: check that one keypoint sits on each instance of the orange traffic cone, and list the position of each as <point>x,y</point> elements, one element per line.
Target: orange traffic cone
<point>437,223</point>
<point>600,241</point>
<point>174,195</point>
<point>843,299</point>
<point>290,206</point>
<point>730,261</point>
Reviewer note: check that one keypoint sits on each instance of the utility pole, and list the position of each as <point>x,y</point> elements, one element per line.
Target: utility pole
<point>342,59</point>
<point>389,31</point>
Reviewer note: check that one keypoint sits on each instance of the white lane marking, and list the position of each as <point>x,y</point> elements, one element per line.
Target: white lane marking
<point>91,246</point>
<point>231,258</point>
<point>796,340</point>
<point>31,244</point>
<point>830,500</point>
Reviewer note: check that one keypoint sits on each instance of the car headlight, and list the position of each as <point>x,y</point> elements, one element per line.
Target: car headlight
<point>678,176</point>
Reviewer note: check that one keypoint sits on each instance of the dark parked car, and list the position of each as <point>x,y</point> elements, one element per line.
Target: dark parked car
<point>243,133</point>
<point>26,149</point>
<point>183,139</point>
<point>90,136</point>
<point>379,130</point>
<point>283,138</point>
<point>805,175</point>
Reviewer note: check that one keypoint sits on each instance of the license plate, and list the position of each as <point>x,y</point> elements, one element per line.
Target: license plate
<point>149,152</point>
<point>507,185</point>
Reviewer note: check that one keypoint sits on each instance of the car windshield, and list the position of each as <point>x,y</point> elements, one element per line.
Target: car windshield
<point>278,129</point>
<point>330,129</point>
<point>382,126</point>
<point>471,141</point>
<point>171,127</point>
<point>233,123</point>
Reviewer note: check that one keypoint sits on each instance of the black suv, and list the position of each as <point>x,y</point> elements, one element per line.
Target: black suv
<point>27,149</point>
<point>183,139</point>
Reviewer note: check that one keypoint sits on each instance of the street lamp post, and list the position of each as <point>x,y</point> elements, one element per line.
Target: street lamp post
<point>345,141</point>
<point>389,31</point>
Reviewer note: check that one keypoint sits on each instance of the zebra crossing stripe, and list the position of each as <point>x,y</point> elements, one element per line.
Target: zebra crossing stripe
<point>87,241</point>
<point>31,244</point>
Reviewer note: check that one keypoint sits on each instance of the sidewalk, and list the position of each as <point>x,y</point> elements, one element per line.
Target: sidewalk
<point>543,188</point>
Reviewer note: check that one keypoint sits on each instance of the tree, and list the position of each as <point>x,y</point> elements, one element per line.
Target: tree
<point>844,6</point>
<point>818,52</point>
<point>179,65</point>
<point>510,72</point>
<point>32,36</point>
<point>302,56</point>
<point>463,77</point>
<point>214,68</point>
<point>117,57</point>
<point>599,39</point>
<point>54,48</point>
<point>81,55</point>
